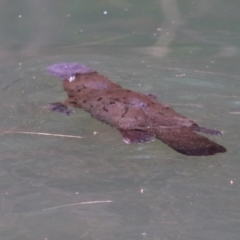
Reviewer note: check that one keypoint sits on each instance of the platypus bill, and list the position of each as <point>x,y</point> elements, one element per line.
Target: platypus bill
<point>138,117</point>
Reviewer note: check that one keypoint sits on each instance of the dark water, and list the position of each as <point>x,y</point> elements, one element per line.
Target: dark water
<point>185,52</point>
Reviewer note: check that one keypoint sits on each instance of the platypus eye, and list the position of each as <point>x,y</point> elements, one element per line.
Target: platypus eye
<point>72,78</point>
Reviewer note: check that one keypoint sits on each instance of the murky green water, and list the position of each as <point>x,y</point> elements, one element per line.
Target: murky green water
<point>185,52</point>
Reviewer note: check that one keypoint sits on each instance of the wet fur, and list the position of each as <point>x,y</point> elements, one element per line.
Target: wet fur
<point>137,116</point>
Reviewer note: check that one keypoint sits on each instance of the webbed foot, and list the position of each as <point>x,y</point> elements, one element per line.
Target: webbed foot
<point>153,96</point>
<point>59,107</point>
<point>135,136</point>
<point>207,131</point>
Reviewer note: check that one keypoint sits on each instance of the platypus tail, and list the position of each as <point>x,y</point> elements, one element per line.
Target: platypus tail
<point>187,142</point>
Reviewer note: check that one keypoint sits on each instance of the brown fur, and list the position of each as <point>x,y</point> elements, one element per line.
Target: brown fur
<point>137,116</point>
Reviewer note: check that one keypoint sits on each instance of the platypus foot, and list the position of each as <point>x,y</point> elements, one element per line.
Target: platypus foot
<point>135,136</point>
<point>208,131</point>
<point>153,96</point>
<point>59,107</point>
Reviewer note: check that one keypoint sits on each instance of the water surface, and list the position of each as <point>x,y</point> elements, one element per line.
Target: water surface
<point>185,52</point>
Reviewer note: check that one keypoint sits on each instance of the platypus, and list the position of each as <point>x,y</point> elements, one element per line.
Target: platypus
<point>138,117</point>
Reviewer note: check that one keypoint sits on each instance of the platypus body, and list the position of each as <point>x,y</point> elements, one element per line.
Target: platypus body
<point>138,117</point>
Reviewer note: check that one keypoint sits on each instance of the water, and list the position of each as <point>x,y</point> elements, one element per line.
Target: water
<point>186,53</point>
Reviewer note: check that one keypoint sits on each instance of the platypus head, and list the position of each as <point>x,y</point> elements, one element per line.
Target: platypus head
<point>67,71</point>
<point>79,79</point>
